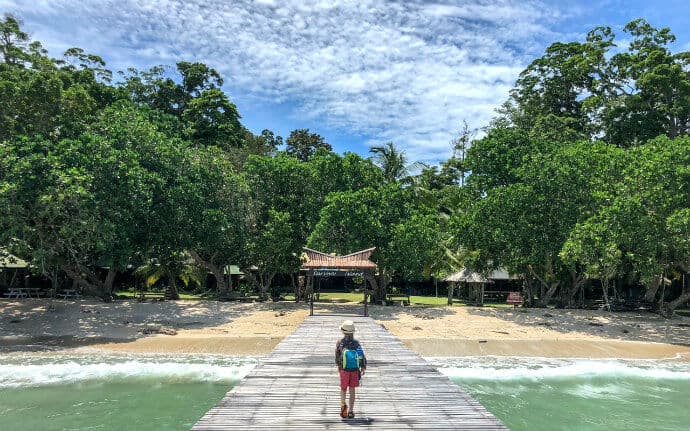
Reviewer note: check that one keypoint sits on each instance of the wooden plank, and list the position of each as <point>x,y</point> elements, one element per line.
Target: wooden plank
<point>296,388</point>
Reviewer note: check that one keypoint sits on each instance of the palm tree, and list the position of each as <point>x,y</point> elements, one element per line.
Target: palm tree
<point>181,267</point>
<point>393,162</point>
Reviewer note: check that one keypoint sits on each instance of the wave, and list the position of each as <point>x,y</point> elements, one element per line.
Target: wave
<point>514,368</point>
<point>29,370</point>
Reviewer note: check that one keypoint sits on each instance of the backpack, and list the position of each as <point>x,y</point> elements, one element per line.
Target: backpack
<point>351,359</point>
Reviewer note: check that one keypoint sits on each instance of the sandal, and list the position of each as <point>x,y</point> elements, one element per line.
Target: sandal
<point>343,411</point>
<point>351,415</point>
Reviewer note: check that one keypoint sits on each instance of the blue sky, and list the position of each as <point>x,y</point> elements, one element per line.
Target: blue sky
<point>360,73</point>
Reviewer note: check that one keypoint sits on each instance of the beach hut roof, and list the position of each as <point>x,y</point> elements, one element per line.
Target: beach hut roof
<point>359,260</point>
<point>469,276</point>
<point>9,261</point>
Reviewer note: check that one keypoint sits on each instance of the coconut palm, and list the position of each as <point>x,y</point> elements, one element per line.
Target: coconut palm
<point>393,162</point>
<point>182,267</point>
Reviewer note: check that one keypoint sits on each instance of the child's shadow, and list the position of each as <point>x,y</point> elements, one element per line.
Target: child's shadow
<point>359,421</point>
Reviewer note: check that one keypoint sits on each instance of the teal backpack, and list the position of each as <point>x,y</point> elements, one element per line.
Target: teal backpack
<point>351,359</point>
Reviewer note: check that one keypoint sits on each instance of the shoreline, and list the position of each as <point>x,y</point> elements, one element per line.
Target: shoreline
<point>426,347</point>
<point>254,329</point>
<point>555,349</point>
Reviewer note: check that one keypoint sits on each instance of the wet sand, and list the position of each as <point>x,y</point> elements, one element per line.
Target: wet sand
<point>241,329</point>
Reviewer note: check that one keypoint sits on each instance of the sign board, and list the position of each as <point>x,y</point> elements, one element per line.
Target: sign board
<point>335,272</point>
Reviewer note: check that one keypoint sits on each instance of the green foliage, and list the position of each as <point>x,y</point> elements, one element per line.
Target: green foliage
<point>205,114</point>
<point>416,246</point>
<point>356,220</point>
<point>584,175</point>
<point>495,159</point>
<point>593,89</point>
<point>393,162</point>
<point>303,145</point>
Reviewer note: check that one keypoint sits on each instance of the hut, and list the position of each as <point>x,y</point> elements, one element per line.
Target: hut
<point>11,269</point>
<point>476,283</point>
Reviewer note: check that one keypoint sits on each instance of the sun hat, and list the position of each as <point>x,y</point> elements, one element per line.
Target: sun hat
<point>348,327</point>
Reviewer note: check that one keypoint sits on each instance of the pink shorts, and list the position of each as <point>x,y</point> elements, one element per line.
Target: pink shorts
<point>349,379</point>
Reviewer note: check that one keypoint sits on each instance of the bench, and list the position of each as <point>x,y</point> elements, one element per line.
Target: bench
<point>16,293</point>
<point>515,298</point>
<point>392,298</point>
<point>69,294</point>
<point>152,294</point>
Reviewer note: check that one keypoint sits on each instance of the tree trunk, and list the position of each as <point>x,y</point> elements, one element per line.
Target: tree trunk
<point>576,284</point>
<point>108,285</point>
<point>174,294</point>
<point>383,285</point>
<point>299,293</point>
<point>551,289</point>
<point>662,297</point>
<point>264,284</point>
<point>671,306</point>
<point>294,285</point>
<point>650,294</point>
<point>88,279</point>
<point>605,290</point>
<point>682,299</point>
<point>374,287</point>
<point>223,287</point>
<point>528,288</point>
<point>451,288</point>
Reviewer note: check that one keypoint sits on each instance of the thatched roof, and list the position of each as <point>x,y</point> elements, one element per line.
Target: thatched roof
<point>8,261</point>
<point>357,260</point>
<point>469,276</point>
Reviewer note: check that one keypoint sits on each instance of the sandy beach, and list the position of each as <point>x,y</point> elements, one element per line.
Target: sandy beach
<point>251,329</point>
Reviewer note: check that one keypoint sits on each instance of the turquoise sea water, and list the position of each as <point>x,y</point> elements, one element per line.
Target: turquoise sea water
<point>137,392</point>
<point>52,391</point>
<point>530,394</point>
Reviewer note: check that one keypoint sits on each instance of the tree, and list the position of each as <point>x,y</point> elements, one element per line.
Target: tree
<point>48,212</point>
<point>494,160</point>
<point>215,200</point>
<point>678,226</point>
<point>280,200</point>
<point>206,115</point>
<point>360,219</point>
<point>393,162</point>
<point>41,96</point>
<point>265,144</point>
<point>13,41</point>
<point>587,90</point>
<point>646,92</point>
<point>521,224</point>
<point>651,199</point>
<point>415,246</point>
<point>302,144</point>
<point>272,249</point>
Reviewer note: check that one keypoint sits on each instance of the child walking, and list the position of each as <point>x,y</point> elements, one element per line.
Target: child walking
<point>351,362</point>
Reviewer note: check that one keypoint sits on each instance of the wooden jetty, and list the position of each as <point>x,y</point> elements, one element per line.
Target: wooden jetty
<point>296,388</point>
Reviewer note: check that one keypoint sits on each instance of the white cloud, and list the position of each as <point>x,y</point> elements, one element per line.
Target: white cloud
<point>409,71</point>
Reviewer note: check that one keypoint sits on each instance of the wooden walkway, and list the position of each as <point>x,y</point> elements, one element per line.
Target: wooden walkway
<point>296,388</point>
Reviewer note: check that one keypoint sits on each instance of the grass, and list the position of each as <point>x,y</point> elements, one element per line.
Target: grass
<point>685,312</point>
<point>128,294</point>
<point>356,297</point>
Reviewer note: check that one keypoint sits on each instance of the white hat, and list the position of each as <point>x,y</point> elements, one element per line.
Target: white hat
<point>348,327</point>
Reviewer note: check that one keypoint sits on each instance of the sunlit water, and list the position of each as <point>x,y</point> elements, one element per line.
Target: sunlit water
<point>137,392</point>
<point>53,391</point>
<point>584,395</point>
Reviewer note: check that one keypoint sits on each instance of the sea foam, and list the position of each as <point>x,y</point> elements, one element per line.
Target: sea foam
<point>30,370</point>
<point>515,368</point>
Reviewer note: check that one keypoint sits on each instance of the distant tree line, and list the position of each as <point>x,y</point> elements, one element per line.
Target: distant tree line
<point>583,175</point>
